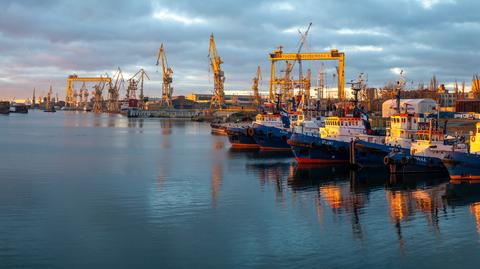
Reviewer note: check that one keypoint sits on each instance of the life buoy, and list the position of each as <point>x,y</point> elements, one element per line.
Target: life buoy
<point>386,160</point>
<point>250,132</point>
<point>472,138</point>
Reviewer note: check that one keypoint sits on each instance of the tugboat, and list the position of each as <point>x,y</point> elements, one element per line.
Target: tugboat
<point>333,143</point>
<point>274,137</point>
<point>4,107</point>
<point>19,108</point>
<point>400,132</point>
<point>426,153</point>
<point>464,167</point>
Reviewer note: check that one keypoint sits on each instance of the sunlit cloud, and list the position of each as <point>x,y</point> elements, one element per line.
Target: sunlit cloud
<point>283,6</point>
<point>169,16</point>
<point>361,31</point>
<point>396,70</point>
<point>429,4</point>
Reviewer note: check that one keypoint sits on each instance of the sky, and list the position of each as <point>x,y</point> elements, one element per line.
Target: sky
<point>42,42</point>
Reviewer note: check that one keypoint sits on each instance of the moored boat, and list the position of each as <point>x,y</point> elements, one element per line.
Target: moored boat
<point>464,167</point>
<point>4,107</point>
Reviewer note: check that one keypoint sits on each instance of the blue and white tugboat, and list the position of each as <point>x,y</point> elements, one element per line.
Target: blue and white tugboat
<point>464,167</point>
<point>274,137</point>
<point>426,152</point>
<point>332,143</point>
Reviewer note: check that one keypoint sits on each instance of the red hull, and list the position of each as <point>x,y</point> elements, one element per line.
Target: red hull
<point>244,146</point>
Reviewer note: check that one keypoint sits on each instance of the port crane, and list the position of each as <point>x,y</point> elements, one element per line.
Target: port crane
<point>70,101</point>
<point>257,99</point>
<point>98,101</point>
<point>217,100</point>
<point>114,91</point>
<point>167,89</point>
<point>136,79</point>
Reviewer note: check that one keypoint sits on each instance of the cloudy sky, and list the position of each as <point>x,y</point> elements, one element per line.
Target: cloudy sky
<point>41,42</point>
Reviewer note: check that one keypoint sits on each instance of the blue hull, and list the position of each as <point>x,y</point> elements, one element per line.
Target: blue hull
<point>403,163</point>
<point>315,150</point>
<point>271,138</point>
<point>241,137</point>
<point>371,155</point>
<point>463,166</point>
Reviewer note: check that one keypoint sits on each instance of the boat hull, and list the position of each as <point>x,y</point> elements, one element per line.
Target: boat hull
<point>315,150</point>
<point>372,155</point>
<point>271,138</point>
<point>241,137</point>
<point>404,163</point>
<point>463,167</point>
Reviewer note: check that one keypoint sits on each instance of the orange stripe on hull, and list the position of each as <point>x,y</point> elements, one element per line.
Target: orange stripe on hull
<point>244,146</point>
<point>469,179</point>
<point>318,161</point>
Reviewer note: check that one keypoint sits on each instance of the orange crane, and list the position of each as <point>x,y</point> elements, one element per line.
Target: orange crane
<point>167,72</point>
<point>217,100</point>
<point>70,99</point>
<point>257,101</point>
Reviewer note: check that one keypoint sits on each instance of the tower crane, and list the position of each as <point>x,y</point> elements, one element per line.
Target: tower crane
<point>167,89</point>
<point>217,100</point>
<point>257,101</point>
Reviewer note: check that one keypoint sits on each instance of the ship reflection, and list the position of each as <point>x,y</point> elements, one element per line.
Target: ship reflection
<point>465,195</point>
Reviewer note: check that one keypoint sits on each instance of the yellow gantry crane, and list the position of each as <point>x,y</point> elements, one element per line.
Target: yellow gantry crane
<point>167,72</point>
<point>70,99</point>
<point>257,99</point>
<point>217,100</point>
<point>279,55</point>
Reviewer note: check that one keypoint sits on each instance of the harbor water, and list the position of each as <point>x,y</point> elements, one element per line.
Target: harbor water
<point>104,191</point>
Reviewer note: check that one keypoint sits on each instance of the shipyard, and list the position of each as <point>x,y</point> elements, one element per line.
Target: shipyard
<point>239,135</point>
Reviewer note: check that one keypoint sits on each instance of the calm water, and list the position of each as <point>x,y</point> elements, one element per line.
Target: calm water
<point>100,191</point>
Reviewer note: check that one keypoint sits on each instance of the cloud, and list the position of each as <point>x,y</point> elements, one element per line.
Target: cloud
<point>170,16</point>
<point>42,43</point>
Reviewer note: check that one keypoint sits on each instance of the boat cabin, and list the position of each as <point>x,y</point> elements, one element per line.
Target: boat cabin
<point>343,126</point>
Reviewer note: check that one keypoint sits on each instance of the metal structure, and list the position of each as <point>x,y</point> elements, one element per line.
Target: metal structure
<point>113,105</point>
<point>257,99</point>
<point>98,101</point>
<point>140,78</point>
<point>69,94</point>
<point>167,89</point>
<point>217,100</point>
<point>279,55</point>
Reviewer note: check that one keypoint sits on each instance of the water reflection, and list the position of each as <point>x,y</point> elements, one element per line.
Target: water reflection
<point>465,195</point>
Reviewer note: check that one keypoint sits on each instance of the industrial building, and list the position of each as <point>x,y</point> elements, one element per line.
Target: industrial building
<point>425,105</point>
